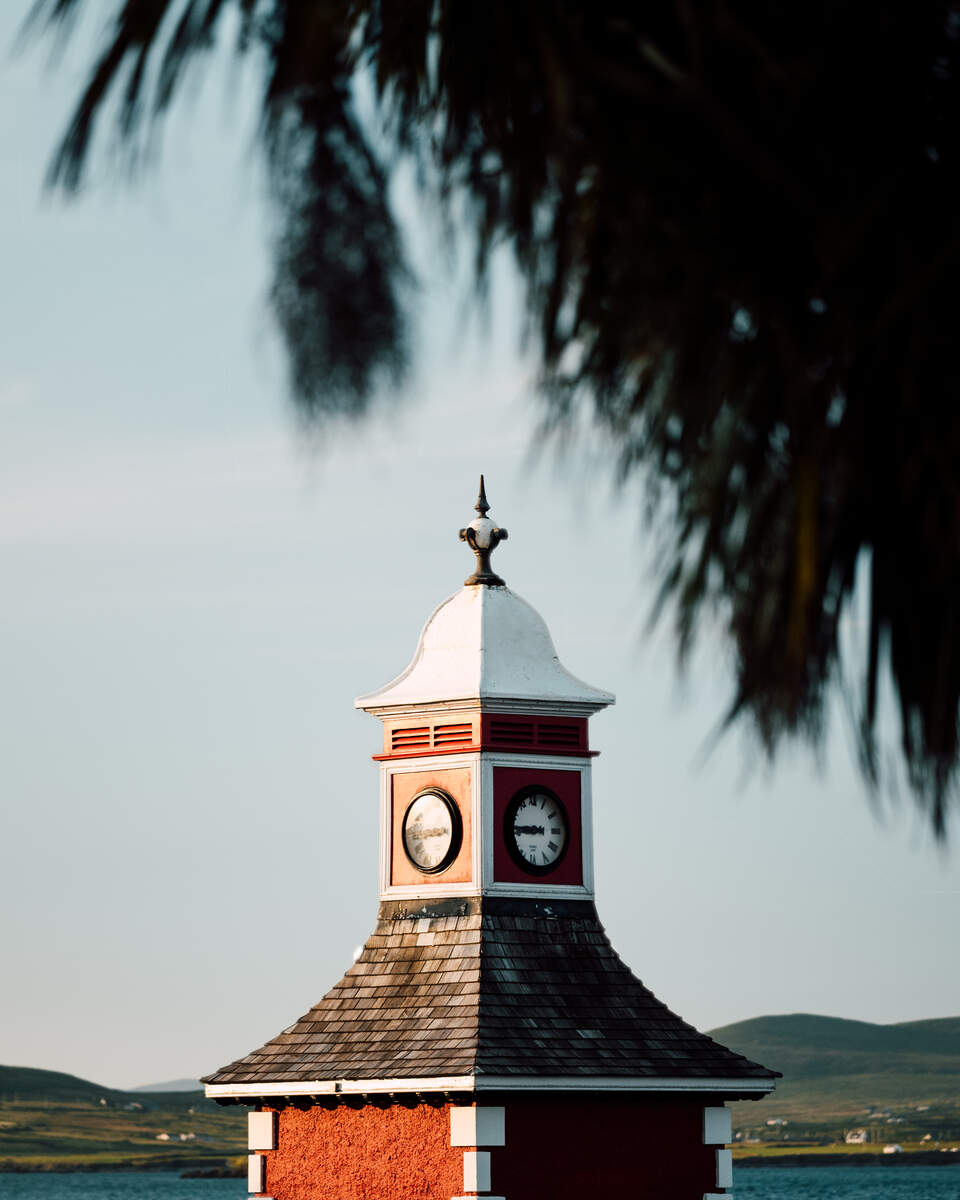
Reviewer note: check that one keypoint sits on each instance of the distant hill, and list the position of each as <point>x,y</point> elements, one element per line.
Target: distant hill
<point>830,1066</point>
<point>34,1084</point>
<point>54,1121</point>
<point>836,1064</point>
<point>175,1085</point>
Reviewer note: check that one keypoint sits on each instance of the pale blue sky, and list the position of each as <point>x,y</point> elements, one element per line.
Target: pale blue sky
<point>193,595</point>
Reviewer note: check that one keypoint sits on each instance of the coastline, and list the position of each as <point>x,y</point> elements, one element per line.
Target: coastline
<point>908,1158</point>
<point>192,1167</point>
<point>153,1162</point>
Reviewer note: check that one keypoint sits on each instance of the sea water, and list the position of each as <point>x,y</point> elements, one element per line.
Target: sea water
<point>847,1183</point>
<point>117,1185</point>
<point>761,1183</point>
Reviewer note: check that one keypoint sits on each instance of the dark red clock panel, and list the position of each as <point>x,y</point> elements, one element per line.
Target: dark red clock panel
<point>507,781</point>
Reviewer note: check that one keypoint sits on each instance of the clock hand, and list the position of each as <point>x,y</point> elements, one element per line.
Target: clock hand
<point>521,829</point>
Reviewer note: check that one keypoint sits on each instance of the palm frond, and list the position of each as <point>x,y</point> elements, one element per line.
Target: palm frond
<point>738,228</point>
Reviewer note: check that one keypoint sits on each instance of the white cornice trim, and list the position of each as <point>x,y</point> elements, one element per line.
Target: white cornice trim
<point>520,891</point>
<point>336,1087</point>
<point>529,706</point>
<point>422,891</point>
<point>541,891</point>
<point>488,1083</point>
<point>615,1083</point>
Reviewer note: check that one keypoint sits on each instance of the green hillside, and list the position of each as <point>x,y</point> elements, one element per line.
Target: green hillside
<point>831,1043</point>
<point>31,1084</point>
<point>839,1068</point>
<point>173,1085</point>
<point>897,1082</point>
<point>53,1121</point>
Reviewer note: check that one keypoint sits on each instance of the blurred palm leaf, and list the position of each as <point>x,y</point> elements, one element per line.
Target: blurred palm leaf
<point>739,228</point>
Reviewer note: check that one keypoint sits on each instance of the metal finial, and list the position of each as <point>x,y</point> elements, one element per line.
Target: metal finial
<point>481,506</point>
<point>483,537</point>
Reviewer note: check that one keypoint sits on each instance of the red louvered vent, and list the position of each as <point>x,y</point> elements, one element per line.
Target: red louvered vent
<point>411,739</point>
<point>452,735</point>
<point>512,733</point>
<point>553,734</point>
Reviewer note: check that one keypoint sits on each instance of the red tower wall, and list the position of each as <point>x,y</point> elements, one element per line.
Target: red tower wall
<point>558,1147</point>
<point>579,1148</point>
<point>346,1153</point>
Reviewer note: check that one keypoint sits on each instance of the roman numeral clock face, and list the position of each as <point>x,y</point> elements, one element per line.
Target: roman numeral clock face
<point>536,830</point>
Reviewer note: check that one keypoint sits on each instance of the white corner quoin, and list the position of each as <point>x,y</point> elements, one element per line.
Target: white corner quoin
<point>724,1168</point>
<point>261,1131</point>
<point>478,1127</point>
<point>255,1172</point>
<point>476,1170</point>
<point>717,1129</point>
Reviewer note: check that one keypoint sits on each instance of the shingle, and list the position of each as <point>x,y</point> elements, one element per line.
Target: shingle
<point>499,990</point>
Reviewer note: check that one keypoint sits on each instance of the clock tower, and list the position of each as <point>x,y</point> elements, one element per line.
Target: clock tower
<point>488,1040</point>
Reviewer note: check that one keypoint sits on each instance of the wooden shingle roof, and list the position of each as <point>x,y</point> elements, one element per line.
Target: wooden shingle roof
<point>492,987</point>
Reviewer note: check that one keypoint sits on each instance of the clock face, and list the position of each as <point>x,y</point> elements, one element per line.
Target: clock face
<point>536,830</point>
<point>432,831</point>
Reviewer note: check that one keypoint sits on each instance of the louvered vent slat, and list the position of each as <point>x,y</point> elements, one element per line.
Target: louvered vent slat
<point>558,735</point>
<point>513,733</point>
<point>453,735</point>
<point>550,736</point>
<point>411,739</point>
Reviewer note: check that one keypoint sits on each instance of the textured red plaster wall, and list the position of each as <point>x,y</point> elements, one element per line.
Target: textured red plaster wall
<point>394,1153</point>
<point>558,1148</point>
<point>579,1148</point>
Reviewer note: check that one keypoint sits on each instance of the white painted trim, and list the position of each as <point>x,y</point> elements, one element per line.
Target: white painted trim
<point>418,891</point>
<point>386,832</point>
<point>486,784</point>
<point>725,1168</point>
<point>717,1126</point>
<point>517,707</point>
<point>329,1087</point>
<point>482,765</point>
<point>476,1170</point>
<point>482,1125</point>
<point>256,1179</point>
<point>476,818</point>
<point>541,889</point>
<point>409,766</point>
<point>587,826</point>
<point>549,762</point>
<point>488,1083</point>
<point>261,1131</point>
<point>615,1083</point>
<point>430,762</point>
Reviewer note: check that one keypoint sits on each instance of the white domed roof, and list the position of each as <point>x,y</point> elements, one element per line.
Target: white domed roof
<point>485,643</point>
